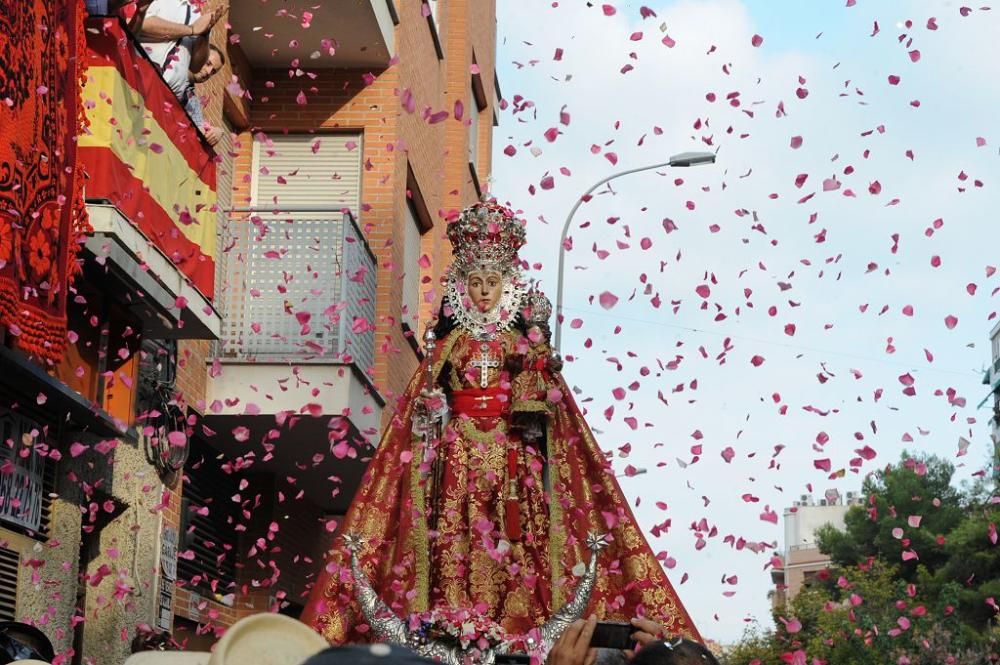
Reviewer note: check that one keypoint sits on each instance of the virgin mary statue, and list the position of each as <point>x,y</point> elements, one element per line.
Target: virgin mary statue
<point>487,482</point>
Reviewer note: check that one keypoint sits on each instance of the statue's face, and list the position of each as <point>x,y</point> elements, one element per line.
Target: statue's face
<point>484,289</point>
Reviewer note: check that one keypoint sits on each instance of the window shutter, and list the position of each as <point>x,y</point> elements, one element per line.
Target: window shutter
<point>473,110</point>
<point>411,268</point>
<point>10,561</point>
<point>208,548</point>
<point>322,171</point>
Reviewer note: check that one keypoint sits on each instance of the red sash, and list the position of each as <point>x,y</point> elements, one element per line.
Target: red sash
<point>489,402</point>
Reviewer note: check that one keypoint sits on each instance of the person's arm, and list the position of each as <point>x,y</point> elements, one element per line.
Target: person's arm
<point>134,24</point>
<point>193,107</point>
<point>156,29</point>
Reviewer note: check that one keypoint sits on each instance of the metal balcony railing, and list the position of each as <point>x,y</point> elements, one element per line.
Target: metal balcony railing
<point>22,482</point>
<point>296,285</point>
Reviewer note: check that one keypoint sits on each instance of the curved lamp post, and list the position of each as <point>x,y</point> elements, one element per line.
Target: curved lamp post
<point>682,160</point>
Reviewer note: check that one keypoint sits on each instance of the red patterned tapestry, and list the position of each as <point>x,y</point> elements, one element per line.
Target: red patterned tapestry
<point>42,215</point>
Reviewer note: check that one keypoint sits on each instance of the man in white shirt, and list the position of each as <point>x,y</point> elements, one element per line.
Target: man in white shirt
<point>171,31</point>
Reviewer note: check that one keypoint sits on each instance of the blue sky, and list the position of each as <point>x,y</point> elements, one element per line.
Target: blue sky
<point>826,266</point>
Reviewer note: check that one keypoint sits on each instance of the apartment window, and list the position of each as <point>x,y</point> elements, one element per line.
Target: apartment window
<point>301,253</point>
<point>435,18</point>
<point>411,268</point>
<point>477,103</point>
<point>22,472</point>
<point>418,221</point>
<point>208,548</point>
<point>473,128</point>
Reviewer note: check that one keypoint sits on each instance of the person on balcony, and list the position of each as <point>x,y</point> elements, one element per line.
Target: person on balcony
<point>131,11</point>
<point>172,32</point>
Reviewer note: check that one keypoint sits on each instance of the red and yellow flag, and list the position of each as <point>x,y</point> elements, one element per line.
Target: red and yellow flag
<point>143,154</point>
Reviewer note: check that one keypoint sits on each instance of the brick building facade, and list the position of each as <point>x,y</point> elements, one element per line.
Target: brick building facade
<point>282,379</point>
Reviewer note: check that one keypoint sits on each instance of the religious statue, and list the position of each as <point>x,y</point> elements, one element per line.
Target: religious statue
<point>487,486</point>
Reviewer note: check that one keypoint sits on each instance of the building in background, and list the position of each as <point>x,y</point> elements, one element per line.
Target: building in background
<point>991,378</point>
<point>244,318</point>
<point>801,559</point>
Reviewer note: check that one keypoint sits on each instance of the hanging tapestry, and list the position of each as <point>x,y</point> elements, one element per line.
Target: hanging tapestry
<point>42,217</point>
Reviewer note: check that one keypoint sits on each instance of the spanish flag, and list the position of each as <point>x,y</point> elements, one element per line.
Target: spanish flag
<point>143,154</point>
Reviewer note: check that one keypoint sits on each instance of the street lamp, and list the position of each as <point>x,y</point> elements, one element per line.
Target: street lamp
<point>682,160</point>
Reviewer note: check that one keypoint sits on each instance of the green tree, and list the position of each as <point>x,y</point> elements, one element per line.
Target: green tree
<point>877,607</point>
<point>916,491</point>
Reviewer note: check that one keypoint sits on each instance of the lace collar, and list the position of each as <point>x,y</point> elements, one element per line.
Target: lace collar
<point>485,325</point>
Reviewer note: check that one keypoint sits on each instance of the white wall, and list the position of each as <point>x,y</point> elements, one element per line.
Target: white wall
<point>801,523</point>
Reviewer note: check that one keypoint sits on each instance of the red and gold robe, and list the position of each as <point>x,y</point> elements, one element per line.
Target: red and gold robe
<point>471,560</point>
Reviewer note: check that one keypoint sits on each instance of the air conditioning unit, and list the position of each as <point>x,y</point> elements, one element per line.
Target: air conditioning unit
<point>822,502</point>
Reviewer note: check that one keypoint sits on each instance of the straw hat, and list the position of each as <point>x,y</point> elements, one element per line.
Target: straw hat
<point>260,639</point>
<point>32,661</point>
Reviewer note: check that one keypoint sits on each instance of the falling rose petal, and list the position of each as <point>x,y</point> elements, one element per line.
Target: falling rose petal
<point>76,449</point>
<point>176,439</point>
<point>609,10</point>
<point>668,41</point>
<point>950,322</point>
<point>893,79</point>
<point>608,300</point>
<point>548,182</point>
<point>796,142</point>
<point>756,41</point>
<point>728,454</point>
<point>980,141</point>
<point>300,99</point>
<point>156,147</point>
<point>914,55</point>
<point>769,515</point>
<point>41,398</point>
<point>897,533</point>
<point>914,521</point>
<point>757,361</point>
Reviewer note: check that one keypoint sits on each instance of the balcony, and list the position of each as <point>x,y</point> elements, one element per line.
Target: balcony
<point>170,307</point>
<point>327,33</point>
<point>143,155</point>
<point>297,288</point>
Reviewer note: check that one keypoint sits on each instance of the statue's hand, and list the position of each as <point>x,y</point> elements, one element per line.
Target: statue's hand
<point>432,405</point>
<point>555,362</point>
